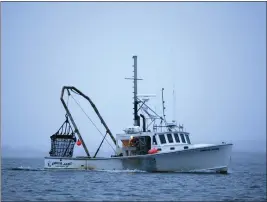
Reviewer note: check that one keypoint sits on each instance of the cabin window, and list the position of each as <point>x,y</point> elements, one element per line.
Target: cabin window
<point>187,139</point>
<point>182,137</point>
<point>154,140</point>
<point>170,139</point>
<point>176,137</point>
<point>162,139</point>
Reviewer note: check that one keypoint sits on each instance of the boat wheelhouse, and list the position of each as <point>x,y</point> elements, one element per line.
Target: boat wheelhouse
<point>162,141</point>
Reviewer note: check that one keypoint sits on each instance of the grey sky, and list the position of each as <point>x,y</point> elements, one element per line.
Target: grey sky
<point>214,53</point>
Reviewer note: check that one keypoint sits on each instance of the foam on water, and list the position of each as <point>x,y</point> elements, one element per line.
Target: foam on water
<point>28,168</point>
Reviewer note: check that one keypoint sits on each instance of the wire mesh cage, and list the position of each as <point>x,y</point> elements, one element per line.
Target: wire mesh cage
<point>63,141</point>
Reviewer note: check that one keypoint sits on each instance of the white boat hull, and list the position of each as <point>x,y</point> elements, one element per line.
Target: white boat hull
<point>215,157</point>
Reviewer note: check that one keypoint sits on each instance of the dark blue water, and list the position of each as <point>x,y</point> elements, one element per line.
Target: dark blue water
<point>25,179</point>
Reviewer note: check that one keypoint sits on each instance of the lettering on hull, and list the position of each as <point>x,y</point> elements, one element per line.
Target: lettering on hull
<point>57,164</point>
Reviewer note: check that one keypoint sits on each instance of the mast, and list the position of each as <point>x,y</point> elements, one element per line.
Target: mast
<point>136,117</point>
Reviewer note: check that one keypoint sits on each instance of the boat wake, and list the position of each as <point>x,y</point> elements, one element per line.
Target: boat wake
<point>200,172</point>
<point>22,168</point>
<point>122,171</point>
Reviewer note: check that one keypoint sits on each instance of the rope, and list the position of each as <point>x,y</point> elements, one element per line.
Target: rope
<point>91,121</point>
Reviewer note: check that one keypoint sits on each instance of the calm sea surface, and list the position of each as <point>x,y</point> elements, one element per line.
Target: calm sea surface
<point>25,179</point>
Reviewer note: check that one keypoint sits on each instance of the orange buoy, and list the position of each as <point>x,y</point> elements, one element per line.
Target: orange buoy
<point>79,142</point>
<point>153,151</point>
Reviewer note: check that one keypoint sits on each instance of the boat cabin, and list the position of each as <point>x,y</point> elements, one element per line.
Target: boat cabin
<point>135,142</point>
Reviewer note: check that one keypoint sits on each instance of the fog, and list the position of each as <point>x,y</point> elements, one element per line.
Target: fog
<point>213,53</point>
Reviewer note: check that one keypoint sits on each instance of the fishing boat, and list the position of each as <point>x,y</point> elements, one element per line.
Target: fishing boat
<point>152,144</point>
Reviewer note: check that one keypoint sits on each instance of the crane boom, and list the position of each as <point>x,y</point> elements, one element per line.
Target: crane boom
<point>75,90</point>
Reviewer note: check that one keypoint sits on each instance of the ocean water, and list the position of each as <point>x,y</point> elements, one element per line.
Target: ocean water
<point>25,179</point>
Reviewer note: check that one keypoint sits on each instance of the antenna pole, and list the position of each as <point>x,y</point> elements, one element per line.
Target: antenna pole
<point>174,102</point>
<point>163,108</point>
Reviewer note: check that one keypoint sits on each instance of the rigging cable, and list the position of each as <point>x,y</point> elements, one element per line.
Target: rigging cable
<point>91,121</point>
